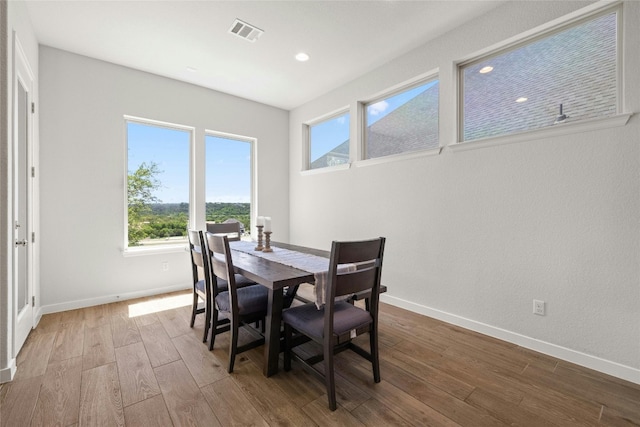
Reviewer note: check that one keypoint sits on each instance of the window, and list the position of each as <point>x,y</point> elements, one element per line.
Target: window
<point>569,75</point>
<point>157,183</point>
<point>403,122</point>
<point>329,142</point>
<point>228,180</point>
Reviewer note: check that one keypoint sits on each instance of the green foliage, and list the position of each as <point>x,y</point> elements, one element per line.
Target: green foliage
<point>220,212</point>
<point>141,185</point>
<point>149,218</point>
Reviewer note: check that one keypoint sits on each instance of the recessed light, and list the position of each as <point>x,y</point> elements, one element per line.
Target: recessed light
<point>521,99</point>
<point>191,69</point>
<point>302,57</point>
<point>485,70</point>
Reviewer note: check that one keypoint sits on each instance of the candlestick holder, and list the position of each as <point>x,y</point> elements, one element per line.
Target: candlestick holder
<point>267,244</point>
<point>259,247</point>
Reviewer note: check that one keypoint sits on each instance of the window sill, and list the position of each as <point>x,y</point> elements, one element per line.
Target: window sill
<point>548,132</point>
<point>398,157</point>
<point>327,169</point>
<point>150,250</point>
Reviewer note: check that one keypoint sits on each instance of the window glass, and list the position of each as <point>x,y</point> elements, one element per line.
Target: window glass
<point>157,184</point>
<point>329,142</point>
<point>569,75</point>
<point>228,181</point>
<point>404,122</point>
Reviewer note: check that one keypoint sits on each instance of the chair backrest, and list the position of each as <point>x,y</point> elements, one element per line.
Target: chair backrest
<point>199,260</point>
<point>231,229</point>
<point>221,263</point>
<point>354,267</point>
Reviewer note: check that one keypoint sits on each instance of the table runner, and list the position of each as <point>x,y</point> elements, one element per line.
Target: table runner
<point>317,265</point>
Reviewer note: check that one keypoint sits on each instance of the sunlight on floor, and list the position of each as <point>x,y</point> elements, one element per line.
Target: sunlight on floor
<point>160,304</point>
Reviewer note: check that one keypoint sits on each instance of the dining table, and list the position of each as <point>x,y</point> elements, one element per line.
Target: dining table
<point>276,272</point>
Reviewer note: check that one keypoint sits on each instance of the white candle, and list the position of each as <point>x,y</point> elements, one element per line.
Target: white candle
<point>260,221</point>
<point>267,223</point>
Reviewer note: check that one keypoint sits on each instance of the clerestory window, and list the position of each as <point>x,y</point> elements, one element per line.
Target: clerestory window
<point>567,75</point>
<point>403,121</point>
<point>328,141</point>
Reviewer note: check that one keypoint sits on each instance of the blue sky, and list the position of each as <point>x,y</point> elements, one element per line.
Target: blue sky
<point>228,162</point>
<point>228,170</point>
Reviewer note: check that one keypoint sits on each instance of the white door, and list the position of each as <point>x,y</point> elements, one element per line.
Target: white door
<point>22,192</point>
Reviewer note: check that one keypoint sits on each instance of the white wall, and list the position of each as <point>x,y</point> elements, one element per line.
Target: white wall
<point>474,236</point>
<point>83,172</point>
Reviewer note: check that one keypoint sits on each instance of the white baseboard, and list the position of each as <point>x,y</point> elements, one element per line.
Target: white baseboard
<point>8,373</point>
<point>106,299</point>
<point>592,362</point>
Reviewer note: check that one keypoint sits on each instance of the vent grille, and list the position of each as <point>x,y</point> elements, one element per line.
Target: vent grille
<point>245,31</point>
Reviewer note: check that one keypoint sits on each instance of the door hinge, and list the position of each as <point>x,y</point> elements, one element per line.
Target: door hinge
<point>33,171</point>
<point>33,107</point>
<point>33,301</point>
<point>33,237</point>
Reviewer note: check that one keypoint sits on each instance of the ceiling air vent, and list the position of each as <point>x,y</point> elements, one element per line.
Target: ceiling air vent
<point>246,31</point>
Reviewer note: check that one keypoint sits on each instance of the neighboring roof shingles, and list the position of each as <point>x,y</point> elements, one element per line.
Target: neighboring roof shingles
<point>411,127</point>
<point>576,68</point>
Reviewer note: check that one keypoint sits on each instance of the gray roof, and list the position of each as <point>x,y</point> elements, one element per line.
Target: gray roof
<point>411,127</point>
<point>576,68</point>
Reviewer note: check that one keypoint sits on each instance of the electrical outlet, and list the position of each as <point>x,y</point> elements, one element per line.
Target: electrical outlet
<point>165,266</point>
<point>538,307</point>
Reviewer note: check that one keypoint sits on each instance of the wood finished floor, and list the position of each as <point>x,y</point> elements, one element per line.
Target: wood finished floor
<point>100,366</point>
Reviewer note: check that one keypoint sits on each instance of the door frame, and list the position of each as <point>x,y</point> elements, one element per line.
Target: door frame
<point>22,74</point>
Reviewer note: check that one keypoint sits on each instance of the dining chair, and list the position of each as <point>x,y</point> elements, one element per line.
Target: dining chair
<point>201,279</point>
<point>336,323</point>
<point>239,306</point>
<point>202,283</point>
<point>231,229</point>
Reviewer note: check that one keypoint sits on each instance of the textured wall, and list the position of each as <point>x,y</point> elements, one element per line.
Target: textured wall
<point>474,236</point>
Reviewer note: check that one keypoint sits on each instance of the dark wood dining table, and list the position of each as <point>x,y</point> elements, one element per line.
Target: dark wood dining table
<point>275,277</point>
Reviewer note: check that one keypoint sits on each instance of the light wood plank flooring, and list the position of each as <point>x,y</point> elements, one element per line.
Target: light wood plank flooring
<point>137,363</point>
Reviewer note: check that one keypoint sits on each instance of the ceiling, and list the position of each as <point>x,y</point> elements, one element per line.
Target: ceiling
<point>190,40</point>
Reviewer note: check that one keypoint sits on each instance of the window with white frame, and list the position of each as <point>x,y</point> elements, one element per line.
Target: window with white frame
<point>328,141</point>
<point>403,121</point>
<point>157,183</point>
<point>228,182</point>
<point>566,75</point>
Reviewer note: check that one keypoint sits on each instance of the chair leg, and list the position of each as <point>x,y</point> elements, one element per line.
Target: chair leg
<point>329,377</point>
<point>288,335</point>
<point>194,309</point>
<point>214,328</point>
<point>375,361</point>
<point>233,345</point>
<point>207,322</point>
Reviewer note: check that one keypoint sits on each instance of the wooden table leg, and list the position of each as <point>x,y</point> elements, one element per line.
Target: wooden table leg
<point>272,332</point>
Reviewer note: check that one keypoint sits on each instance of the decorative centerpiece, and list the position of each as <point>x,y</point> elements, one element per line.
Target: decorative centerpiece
<point>267,233</point>
<point>259,226</point>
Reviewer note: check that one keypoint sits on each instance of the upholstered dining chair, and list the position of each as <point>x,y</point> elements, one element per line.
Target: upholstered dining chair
<point>202,283</point>
<point>338,322</point>
<point>231,229</point>
<point>240,306</point>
